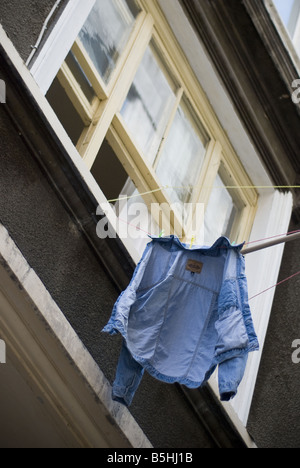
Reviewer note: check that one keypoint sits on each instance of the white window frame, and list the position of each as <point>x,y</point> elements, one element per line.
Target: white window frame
<point>273,217</point>
<point>107,122</point>
<point>274,208</point>
<point>59,42</point>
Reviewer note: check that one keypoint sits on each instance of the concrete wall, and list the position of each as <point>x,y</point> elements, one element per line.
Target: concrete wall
<point>50,240</point>
<point>24,19</point>
<point>274,419</point>
<point>56,249</point>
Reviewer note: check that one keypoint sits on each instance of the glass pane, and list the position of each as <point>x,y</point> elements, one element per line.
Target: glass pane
<point>80,77</point>
<point>135,221</point>
<point>107,31</point>
<point>182,158</point>
<point>148,105</point>
<point>65,111</point>
<point>108,172</point>
<point>220,213</point>
<point>135,218</point>
<point>289,11</point>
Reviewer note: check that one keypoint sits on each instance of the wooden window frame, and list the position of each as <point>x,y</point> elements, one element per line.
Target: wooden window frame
<point>103,120</point>
<point>53,53</point>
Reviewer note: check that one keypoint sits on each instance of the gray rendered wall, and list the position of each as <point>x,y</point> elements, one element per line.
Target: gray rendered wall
<point>56,249</point>
<point>24,19</point>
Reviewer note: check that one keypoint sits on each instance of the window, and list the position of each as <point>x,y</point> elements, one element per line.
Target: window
<point>66,111</point>
<point>80,77</point>
<point>183,155</point>
<point>223,210</point>
<point>149,104</point>
<point>106,33</point>
<point>289,11</point>
<point>130,206</point>
<point>145,129</point>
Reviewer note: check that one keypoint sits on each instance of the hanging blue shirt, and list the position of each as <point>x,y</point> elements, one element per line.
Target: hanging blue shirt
<point>184,313</point>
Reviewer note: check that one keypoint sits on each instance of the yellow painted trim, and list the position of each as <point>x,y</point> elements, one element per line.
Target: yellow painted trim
<point>102,89</point>
<point>143,178</point>
<point>94,136</point>
<point>75,94</point>
<point>90,70</point>
<point>179,95</point>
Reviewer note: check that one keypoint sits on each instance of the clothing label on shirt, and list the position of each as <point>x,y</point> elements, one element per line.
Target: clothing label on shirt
<point>194,266</point>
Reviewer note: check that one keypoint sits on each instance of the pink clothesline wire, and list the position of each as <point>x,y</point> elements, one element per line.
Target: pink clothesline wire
<point>248,243</point>
<point>275,286</point>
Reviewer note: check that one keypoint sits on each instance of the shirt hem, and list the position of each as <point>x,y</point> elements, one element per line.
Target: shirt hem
<point>116,327</point>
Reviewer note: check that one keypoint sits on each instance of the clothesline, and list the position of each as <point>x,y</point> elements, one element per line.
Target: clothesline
<point>266,242</point>
<point>283,238</point>
<point>280,238</point>
<point>289,237</point>
<point>191,187</point>
<point>275,286</point>
<point>273,237</point>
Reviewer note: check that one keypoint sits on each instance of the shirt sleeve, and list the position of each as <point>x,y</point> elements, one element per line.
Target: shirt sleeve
<point>231,373</point>
<point>235,331</point>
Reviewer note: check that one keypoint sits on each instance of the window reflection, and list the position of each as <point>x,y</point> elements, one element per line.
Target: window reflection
<point>148,105</point>
<point>134,213</point>
<point>80,76</point>
<point>180,163</point>
<point>289,11</point>
<point>220,214</point>
<point>134,218</point>
<point>106,33</point>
